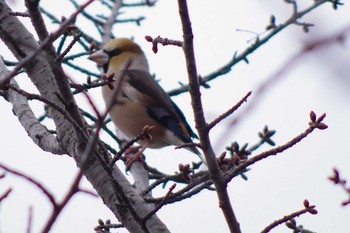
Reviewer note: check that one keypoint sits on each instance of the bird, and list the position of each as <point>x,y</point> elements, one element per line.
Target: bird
<point>140,101</point>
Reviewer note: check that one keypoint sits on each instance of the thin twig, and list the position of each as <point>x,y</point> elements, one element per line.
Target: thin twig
<point>104,127</point>
<point>237,58</point>
<point>59,207</point>
<point>337,179</point>
<point>228,112</point>
<point>117,156</point>
<point>240,168</point>
<point>195,186</point>
<point>85,87</point>
<point>107,226</point>
<point>5,194</point>
<point>69,47</point>
<point>289,65</point>
<point>30,219</point>
<point>160,204</point>
<point>81,69</point>
<point>163,41</point>
<point>102,117</point>
<point>307,209</point>
<point>41,187</point>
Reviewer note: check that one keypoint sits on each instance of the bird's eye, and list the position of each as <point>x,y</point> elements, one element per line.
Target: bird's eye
<point>114,52</point>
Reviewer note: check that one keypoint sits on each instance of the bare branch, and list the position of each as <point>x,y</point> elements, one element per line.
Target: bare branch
<point>37,132</point>
<point>259,42</point>
<point>50,53</point>
<point>228,112</point>
<point>220,185</point>
<point>338,180</point>
<point>30,219</point>
<point>336,38</point>
<point>59,207</point>
<point>163,41</point>
<point>70,46</point>
<point>30,96</point>
<point>307,209</point>
<point>5,195</point>
<point>108,25</point>
<point>41,187</point>
<point>314,124</point>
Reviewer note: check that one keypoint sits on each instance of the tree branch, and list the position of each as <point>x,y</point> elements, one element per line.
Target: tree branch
<point>228,112</point>
<point>37,132</point>
<point>259,42</point>
<point>220,185</point>
<point>314,124</point>
<point>108,25</point>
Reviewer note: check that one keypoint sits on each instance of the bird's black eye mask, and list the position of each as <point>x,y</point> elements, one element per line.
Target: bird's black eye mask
<point>113,53</point>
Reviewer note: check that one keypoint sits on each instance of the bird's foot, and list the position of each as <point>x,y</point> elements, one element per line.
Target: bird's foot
<point>133,154</point>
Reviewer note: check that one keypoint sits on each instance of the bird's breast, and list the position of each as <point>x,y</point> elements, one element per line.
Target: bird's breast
<point>131,116</point>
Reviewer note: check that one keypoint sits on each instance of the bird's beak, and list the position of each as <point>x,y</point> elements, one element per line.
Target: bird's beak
<point>100,57</point>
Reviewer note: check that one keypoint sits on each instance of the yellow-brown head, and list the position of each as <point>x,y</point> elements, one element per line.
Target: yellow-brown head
<point>117,53</point>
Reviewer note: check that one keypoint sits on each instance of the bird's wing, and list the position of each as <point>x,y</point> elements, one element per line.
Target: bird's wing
<point>144,89</point>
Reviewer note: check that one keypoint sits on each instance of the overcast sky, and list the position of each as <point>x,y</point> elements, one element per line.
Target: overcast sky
<point>277,186</point>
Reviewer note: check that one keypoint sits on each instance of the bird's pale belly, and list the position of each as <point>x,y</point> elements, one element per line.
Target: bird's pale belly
<point>130,118</point>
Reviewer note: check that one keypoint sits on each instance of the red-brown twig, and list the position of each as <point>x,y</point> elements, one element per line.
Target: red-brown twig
<point>338,180</point>
<point>69,47</point>
<point>5,194</point>
<point>31,180</point>
<point>59,206</point>
<point>243,56</point>
<point>30,219</point>
<point>307,209</point>
<point>228,112</point>
<point>145,133</point>
<point>102,117</point>
<point>162,41</point>
<point>315,123</point>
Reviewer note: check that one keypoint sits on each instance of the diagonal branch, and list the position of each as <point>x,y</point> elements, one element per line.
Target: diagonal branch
<point>45,191</point>
<point>314,124</point>
<point>50,53</point>
<point>259,42</point>
<point>307,209</point>
<point>37,132</point>
<point>228,112</point>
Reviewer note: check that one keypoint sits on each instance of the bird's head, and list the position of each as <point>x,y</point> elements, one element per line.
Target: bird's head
<point>117,53</point>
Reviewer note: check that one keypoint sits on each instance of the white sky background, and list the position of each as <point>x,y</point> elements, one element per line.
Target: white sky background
<point>277,186</point>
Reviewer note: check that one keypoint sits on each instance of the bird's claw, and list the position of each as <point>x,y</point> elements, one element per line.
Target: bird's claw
<point>133,154</point>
